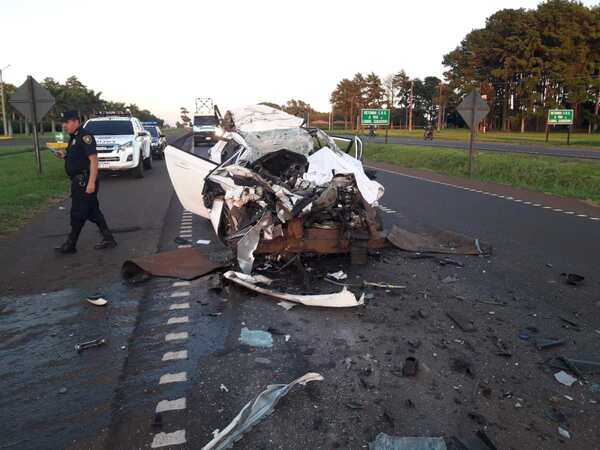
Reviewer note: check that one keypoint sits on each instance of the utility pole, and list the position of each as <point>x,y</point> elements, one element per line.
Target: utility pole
<point>439,121</point>
<point>410,106</point>
<point>4,118</point>
<point>472,126</point>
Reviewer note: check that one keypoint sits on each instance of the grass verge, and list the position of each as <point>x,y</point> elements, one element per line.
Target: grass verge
<point>23,192</point>
<point>557,138</point>
<point>566,177</point>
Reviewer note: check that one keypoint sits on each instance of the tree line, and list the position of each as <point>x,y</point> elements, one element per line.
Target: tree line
<point>71,95</point>
<point>524,62</point>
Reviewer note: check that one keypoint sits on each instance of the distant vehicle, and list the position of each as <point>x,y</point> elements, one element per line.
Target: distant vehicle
<point>122,143</point>
<point>158,140</point>
<point>206,129</point>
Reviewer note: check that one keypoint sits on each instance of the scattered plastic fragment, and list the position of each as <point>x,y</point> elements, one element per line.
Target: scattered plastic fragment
<point>287,337</point>
<point>339,275</point>
<point>202,242</point>
<point>564,433</point>
<point>595,388</point>
<point>461,321</point>
<point>341,299</point>
<point>449,279</point>
<point>223,388</point>
<point>256,338</point>
<point>386,442</point>
<point>287,305</point>
<point>524,335</point>
<point>254,411</point>
<point>97,300</point>
<point>62,390</point>
<point>564,378</point>
<point>383,285</point>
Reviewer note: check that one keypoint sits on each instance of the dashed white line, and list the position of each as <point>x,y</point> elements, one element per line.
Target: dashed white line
<point>537,205</point>
<point>175,306</point>
<point>582,215</point>
<point>171,405</point>
<point>176,336</point>
<point>557,210</point>
<point>595,218</point>
<point>174,356</point>
<point>569,212</point>
<point>185,235</point>
<point>185,246</point>
<point>181,283</point>
<point>547,207</point>
<point>176,320</point>
<point>180,294</point>
<point>167,439</point>
<point>168,378</point>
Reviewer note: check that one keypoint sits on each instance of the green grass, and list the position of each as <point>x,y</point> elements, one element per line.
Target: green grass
<point>566,177</point>
<point>23,192</point>
<point>514,137</point>
<point>15,148</point>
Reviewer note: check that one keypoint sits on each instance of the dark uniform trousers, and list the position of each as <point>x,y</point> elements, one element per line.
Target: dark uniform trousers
<point>85,206</point>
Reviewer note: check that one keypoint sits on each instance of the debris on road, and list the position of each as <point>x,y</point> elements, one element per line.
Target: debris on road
<point>89,344</point>
<point>437,242</point>
<point>203,242</point>
<point>256,338</point>
<point>97,300</point>
<point>461,321</point>
<point>343,299</point>
<point>573,279</point>
<point>544,344</point>
<point>564,378</point>
<point>410,367</point>
<point>339,275</point>
<point>386,442</point>
<point>223,388</point>
<point>564,433</point>
<point>254,411</point>
<point>184,263</point>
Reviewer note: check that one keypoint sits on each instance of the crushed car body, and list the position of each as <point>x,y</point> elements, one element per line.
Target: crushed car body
<point>273,186</point>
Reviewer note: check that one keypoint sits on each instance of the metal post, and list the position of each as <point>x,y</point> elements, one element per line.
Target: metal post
<point>547,132</point>
<point>410,106</point>
<point>36,141</point>
<point>386,133</point>
<point>472,133</point>
<point>4,118</point>
<point>569,135</point>
<point>439,121</point>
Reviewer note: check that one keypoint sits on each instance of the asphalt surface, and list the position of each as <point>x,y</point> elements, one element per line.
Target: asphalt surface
<point>530,149</point>
<point>108,397</point>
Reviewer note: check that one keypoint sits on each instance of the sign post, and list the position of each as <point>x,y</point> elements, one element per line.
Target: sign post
<point>376,117</point>
<point>473,110</point>
<point>560,117</point>
<point>33,101</point>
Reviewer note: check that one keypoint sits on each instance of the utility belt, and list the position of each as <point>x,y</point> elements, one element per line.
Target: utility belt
<point>81,178</point>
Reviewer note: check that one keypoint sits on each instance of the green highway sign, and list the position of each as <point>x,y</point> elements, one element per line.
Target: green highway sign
<point>560,117</point>
<point>375,116</point>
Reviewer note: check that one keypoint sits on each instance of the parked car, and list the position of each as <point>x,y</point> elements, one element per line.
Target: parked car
<point>158,139</point>
<point>122,143</point>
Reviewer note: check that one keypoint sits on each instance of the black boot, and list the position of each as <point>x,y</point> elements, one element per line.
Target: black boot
<point>108,241</point>
<point>70,245</point>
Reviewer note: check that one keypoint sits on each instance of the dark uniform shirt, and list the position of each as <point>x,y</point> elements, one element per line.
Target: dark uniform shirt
<point>81,145</point>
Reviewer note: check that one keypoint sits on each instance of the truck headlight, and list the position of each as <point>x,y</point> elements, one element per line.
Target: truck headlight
<point>126,146</point>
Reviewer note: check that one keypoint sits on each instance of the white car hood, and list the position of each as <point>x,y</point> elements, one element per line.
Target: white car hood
<point>113,140</point>
<point>254,118</point>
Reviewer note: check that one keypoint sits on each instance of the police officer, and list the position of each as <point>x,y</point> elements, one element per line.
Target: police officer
<point>81,165</point>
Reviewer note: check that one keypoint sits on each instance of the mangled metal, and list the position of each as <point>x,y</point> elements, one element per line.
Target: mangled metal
<point>273,186</point>
<point>342,299</point>
<point>254,412</point>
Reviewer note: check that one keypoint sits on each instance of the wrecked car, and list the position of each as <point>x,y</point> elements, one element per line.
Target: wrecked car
<point>272,185</point>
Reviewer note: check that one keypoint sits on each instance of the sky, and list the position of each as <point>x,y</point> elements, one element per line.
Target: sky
<point>161,55</point>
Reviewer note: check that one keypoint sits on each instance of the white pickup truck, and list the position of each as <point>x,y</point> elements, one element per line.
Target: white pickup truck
<point>122,144</point>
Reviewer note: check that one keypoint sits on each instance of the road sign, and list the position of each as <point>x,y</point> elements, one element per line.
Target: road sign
<point>375,116</point>
<point>33,101</point>
<point>473,109</point>
<point>560,117</point>
<point>21,100</point>
<point>473,103</point>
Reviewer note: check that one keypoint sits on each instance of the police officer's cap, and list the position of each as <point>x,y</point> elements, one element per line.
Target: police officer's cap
<point>69,115</point>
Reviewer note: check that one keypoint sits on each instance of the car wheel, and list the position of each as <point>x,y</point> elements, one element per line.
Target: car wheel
<point>148,162</point>
<point>138,171</point>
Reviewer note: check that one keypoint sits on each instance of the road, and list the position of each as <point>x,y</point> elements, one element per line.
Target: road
<point>530,149</point>
<point>107,398</point>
